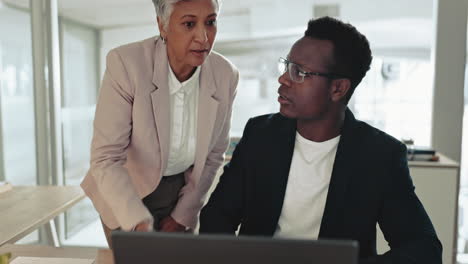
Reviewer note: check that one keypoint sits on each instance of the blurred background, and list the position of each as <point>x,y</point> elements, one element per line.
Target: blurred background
<point>397,95</point>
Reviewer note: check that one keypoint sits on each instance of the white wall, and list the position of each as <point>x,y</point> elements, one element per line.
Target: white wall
<point>449,79</point>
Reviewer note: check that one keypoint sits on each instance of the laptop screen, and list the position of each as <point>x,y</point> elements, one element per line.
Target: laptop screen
<point>176,248</point>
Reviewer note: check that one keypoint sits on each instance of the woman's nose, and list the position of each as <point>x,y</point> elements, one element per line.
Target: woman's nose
<point>201,35</point>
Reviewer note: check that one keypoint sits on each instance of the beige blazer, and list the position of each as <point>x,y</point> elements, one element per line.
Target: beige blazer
<point>130,145</point>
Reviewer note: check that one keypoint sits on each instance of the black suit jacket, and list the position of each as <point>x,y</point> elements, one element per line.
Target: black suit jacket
<point>370,184</point>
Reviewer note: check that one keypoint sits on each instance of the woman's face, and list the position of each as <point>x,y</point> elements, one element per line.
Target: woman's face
<point>190,34</point>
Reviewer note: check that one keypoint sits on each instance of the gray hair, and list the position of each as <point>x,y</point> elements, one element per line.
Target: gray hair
<point>164,9</point>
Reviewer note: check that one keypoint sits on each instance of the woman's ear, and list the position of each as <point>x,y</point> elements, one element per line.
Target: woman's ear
<point>339,89</point>
<point>162,31</point>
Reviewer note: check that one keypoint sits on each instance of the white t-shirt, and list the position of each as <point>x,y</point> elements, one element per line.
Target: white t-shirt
<point>307,188</point>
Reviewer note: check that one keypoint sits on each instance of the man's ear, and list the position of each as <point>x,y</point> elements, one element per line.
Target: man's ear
<point>339,89</point>
<point>162,31</point>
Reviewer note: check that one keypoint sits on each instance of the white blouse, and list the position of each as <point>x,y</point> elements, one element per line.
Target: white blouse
<point>183,115</point>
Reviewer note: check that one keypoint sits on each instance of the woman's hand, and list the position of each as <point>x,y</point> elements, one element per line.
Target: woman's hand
<point>168,224</point>
<point>145,226</point>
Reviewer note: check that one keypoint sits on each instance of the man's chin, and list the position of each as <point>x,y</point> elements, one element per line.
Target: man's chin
<point>285,113</point>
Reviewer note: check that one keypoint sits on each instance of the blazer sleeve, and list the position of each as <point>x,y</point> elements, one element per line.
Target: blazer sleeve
<point>112,130</point>
<point>224,210</point>
<point>404,222</point>
<point>189,204</point>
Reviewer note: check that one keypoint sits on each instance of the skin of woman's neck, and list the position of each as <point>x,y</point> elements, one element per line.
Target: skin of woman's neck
<point>182,72</point>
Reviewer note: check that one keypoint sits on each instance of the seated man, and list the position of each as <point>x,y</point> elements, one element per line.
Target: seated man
<point>314,171</point>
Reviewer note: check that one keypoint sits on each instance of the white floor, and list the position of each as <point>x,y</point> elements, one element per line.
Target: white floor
<point>90,236</point>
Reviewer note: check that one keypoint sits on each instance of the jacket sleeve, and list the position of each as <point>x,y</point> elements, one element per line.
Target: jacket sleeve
<point>193,195</point>
<point>112,130</point>
<point>224,211</point>
<point>404,222</point>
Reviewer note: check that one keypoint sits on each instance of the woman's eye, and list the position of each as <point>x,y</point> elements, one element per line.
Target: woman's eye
<point>211,22</point>
<point>189,24</point>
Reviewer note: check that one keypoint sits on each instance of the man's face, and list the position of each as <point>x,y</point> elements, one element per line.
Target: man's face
<point>311,99</point>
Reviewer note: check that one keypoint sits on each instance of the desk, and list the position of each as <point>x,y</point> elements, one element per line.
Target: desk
<point>102,256</point>
<point>25,208</point>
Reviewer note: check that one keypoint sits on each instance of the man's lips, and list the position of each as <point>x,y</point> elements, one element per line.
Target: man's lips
<point>283,99</point>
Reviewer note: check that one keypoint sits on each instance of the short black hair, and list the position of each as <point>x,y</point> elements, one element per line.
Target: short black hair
<point>351,52</point>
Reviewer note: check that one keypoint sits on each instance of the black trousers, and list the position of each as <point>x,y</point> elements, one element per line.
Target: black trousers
<point>163,200</point>
<point>160,202</point>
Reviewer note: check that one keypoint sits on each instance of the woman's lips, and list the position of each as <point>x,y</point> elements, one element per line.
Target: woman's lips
<point>199,53</point>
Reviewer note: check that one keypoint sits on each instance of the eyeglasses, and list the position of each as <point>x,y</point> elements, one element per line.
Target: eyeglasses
<point>297,74</point>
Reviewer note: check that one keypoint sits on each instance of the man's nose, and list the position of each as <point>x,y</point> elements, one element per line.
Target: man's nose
<point>284,79</point>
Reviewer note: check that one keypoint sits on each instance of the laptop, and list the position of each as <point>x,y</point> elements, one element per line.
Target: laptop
<point>176,248</point>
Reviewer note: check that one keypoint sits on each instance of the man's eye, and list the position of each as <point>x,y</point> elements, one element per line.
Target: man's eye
<point>296,70</point>
<point>301,73</point>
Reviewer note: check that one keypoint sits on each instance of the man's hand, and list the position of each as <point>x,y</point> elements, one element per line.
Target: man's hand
<point>168,224</point>
<point>145,226</point>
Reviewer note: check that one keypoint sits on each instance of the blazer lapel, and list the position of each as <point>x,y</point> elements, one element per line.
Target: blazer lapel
<point>207,109</point>
<point>332,216</point>
<point>160,101</point>
<point>280,157</point>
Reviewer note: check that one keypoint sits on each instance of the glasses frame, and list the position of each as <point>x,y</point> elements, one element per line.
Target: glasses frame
<point>287,64</point>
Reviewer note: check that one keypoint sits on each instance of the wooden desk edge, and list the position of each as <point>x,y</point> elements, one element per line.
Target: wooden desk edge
<point>52,252</point>
<point>43,220</point>
<point>104,256</point>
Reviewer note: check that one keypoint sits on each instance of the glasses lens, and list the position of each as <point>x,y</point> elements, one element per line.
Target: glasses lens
<point>294,72</point>
<point>293,69</point>
<point>282,65</point>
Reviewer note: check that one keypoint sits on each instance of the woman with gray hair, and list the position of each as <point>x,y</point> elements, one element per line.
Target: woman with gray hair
<point>162,123</point>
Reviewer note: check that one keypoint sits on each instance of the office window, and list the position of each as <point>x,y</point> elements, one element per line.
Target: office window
<point>17,97</point>
<point>80,82</point>
<point>396,97</point>
<point>17,134</point>
<point>396,94</point>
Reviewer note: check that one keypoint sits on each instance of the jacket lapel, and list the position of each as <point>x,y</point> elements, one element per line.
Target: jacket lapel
<point>207,110</point>
<point>160,101</point>
<point>334,207</point>
<point>280,157</point>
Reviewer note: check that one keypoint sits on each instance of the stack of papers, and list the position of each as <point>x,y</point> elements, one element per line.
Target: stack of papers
<point>36,260</point>
<point>422,153</point>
